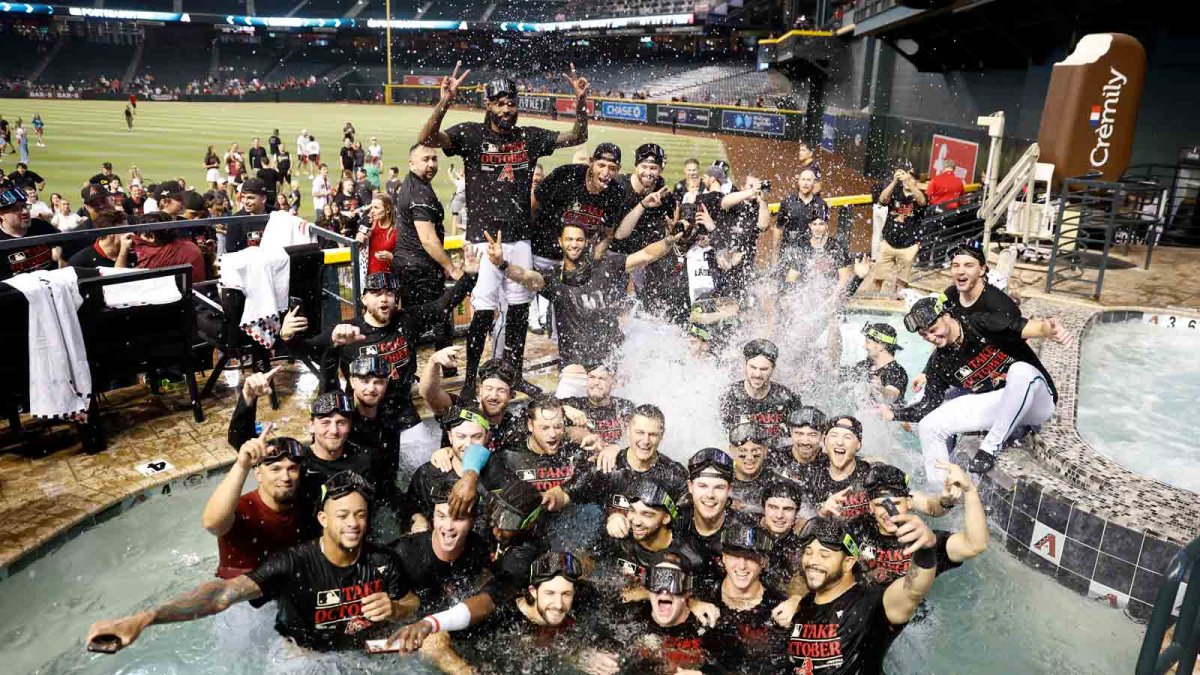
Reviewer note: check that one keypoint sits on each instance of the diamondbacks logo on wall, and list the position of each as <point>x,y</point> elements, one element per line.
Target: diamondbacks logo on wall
<point>1103,117</point>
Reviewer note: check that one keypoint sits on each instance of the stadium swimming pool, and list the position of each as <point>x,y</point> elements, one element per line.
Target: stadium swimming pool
<point>993,615</point>
<point>1137,383</point>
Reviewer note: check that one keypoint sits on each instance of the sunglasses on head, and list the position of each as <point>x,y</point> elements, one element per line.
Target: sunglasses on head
<point>341,484</point>
<point>924,314</point>
<point>654,496</point>
<point>710,458</point>
<point>10,197</point>
<point>555,563</point>
<point>808,417</point>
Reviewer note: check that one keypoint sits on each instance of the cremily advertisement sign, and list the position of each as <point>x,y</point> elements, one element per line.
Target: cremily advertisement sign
<point>772,124</point>
<point>701,118</point>
<point>619,110</point>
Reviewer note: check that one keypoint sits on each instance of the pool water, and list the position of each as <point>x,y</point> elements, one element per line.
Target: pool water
<point>993,615</point>
<point>1138,384</point>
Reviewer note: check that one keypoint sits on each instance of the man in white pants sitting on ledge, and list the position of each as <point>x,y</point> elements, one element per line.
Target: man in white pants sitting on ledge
<point>982,376</point>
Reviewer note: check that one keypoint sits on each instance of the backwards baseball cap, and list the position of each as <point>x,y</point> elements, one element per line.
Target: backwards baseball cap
<point>849,423</point>
<point>607,151</point>
<point>500,87</point>
<point>761,347</point>
<point>924,313</point>
<point>254,186</point>
<point>193,201</point>
<point>743,537</point>
<point>884,334</point>
<point>331,403</point>
<point>457,414</point>
<point>365,366</point>
<point>885,480</point>
<point>970,248</point>
<point>555,564</point>
<point>830,534</point>
<point>380,281</point>
<point>808,416</point>
<point>652,494</point>
<point>343,483</point>
<point>169,189</point>
<point>722,164</point>
<point>93,194</point>
<point>711,462</point>
<point>498,369</point>
<point>650,152</point>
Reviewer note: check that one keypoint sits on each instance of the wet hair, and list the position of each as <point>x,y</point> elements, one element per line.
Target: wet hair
<point>544,404</point>
<point>649,411</point>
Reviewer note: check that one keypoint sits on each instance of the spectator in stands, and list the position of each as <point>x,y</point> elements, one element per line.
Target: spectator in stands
<point>797,210</point>
<point>347,155</point>
<point>902,229</point>
<point>169,197</point>
<point>16,222</point>
<point>27,180</point>
<point>165,248</point>
<point>946,187</point>
<point>109,250</point>
<point>257,154</point>
<point>105,175</point>
<point>212,168</point>
<point>64,219</point>
<point>804,153</point>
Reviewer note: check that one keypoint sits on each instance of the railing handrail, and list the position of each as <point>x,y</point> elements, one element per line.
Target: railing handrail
<point>1181,651</point>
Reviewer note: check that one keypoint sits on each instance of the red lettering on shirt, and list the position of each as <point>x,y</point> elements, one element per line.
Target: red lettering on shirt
<point>989,364</point>
<point>395,351</point>
<point>343,604</point>
<point>815,642</point>
<point>29,259</point>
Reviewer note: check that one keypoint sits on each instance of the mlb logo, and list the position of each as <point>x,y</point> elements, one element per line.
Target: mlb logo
<point>327,598</point>
<point>1094,117</point>
<point>527,474</point>
<point>620,502</point>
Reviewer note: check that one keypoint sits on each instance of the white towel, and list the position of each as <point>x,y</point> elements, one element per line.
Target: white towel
<point>285,229</point>
<point>60,381</point>
<point>158,291</point>
<point>263,274</point>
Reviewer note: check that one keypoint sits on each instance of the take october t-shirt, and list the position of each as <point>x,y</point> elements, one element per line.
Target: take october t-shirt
<point>499,174</point>
<point>320,604</point>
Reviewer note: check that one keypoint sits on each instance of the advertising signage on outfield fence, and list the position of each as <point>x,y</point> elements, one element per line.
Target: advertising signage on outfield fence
<point>618,110</point>
<point>127,14</point>
<point>423,80</point>
<point>534,104</point>
<point>772,124</point>
<point>567,106</point>
<point>701,118</point>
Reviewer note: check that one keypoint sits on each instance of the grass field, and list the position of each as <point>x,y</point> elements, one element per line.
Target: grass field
<point>169,139</point>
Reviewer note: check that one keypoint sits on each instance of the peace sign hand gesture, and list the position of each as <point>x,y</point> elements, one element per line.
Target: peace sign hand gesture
<point>495,249</point>
<point>579,84</point>
<point>449,88</point>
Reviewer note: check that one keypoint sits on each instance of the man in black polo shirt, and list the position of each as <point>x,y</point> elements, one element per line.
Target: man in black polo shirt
<point>498,160</point>
<point>420,263</point>
<point>27,180</point>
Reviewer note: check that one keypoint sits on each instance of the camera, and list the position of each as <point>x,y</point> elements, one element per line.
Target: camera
<point>765,186</point>
<point>688,230</point>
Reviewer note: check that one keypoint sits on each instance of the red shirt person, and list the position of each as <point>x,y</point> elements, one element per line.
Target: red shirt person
<point>945,187</point>
<point>250,527</point>
<point>164,248</point>
<point>380,238</point>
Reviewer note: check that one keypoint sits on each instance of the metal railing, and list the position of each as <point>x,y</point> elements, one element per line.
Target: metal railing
<point>1100,214</point>
<point>1181,207</point>
<point>1180,650</point>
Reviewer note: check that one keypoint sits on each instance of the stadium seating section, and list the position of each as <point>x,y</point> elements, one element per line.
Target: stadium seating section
<point>81,63</point>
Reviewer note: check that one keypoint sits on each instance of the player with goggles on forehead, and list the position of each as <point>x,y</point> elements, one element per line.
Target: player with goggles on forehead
<point>887,377</point>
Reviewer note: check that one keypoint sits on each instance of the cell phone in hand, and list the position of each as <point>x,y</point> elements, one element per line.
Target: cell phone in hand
<point>890,506</point>
<point>105,643</point>
<point>381,647</point>
<point>293,303</point>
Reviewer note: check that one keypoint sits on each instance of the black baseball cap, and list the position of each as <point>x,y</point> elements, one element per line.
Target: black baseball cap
<point>331,403</point>
<point>924,313</point>
<point>93,193</point>
<point>717,172</point>
<point>515,507</point>
<point>847,422</point>
<point>761,347</point>
<point>608,151</point>
<point>380,281</point>
<point>498,369</point>
<point>500,87</point>
<point>711,462</point>
<point>650,152</point>
<point>652,494</point>
<point>11,197</point>
<point>830,533</point>
<point>885,480</point>
<point>169,189</point>
<point>808,416</point>
<point>721,164</point>
<point>254,186</point>
<point>884,334</point>
<point>969,248</point>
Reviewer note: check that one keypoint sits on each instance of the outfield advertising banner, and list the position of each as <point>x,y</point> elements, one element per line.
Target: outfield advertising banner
<point>534,104</point>
<point>423,80</point>
<point>33,93</point>
<point>772,124</point>
<point>700,118</point>
<point>630,112</point>
<point>566,106</point>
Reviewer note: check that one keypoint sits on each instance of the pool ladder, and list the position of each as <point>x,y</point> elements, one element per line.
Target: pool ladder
<point>1160,652</point>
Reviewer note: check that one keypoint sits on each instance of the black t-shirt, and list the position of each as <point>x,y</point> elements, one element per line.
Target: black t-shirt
<point>273,143</point>
<point>440,584</point>
<point>563,199</point>
<point>28,181</point>
<point>320,604</point>
<point>903,226</point>
<point>271,177</point>
<point>737,406</point>
<point>848,636</point>
<point>991,301</point>
<point>709,545</point>
<point>546,472</point>
<point>631,561</point>
<point>783,562</point>
<point>499,173</point>
<point>890,375</point>
<point>991,343</point>
<point>826,261</point>
<point>587,311</point>
<point>652,225</point>
<point>650,648</point>
<point>416,200</point>
<point>15,261</point>
<point>392,185</point>
<point>883,558</point>
<point>794,216</point>
<point>256,157</point>
<point>93,257</point>
<point>510,565</point>
<point>610,421</point>
<point>509,642</point>
<point>748,640</point>
<point>347,155</point>
<point>609,489</point>
<point>857,503</point>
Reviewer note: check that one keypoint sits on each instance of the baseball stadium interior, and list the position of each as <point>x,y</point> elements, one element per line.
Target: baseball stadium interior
<point>884,290</point>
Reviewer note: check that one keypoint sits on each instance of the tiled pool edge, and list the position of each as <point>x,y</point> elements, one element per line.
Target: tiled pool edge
<point>1075,515</point>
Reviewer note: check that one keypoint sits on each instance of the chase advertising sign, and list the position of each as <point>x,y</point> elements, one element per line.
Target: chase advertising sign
<point>760,123</point>
<point>619,110</point>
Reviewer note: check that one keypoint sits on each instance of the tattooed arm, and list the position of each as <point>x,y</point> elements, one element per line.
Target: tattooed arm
<point>205,600</point>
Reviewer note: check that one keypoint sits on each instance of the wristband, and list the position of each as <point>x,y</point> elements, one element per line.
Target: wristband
<point>925,559</point>
<point>475,458</point>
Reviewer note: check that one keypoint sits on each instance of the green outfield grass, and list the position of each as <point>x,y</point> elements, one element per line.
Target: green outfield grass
<point>169,139</point>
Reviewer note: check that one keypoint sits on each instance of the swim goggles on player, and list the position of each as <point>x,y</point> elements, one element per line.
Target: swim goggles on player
<point>553,564</point>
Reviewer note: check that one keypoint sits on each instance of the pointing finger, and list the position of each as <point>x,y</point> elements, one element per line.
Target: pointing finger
<point>271,373</point>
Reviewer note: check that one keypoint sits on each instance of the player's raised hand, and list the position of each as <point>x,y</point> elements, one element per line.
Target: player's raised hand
<point>449,88</point>
<point>495,249</point>
<point>579,84</point>
<point>471,259</point>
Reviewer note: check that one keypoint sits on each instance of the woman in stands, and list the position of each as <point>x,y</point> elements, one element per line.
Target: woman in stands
<point>380,237</point>
<point>212,168</point>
